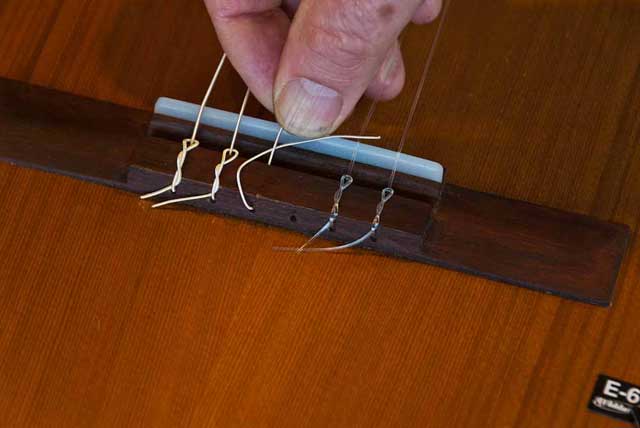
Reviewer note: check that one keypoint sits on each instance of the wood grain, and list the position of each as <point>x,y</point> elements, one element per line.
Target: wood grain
<point>115,315</point>
<point>515,242</point>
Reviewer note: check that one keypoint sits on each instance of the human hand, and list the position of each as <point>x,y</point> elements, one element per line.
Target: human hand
<point>310,61</point>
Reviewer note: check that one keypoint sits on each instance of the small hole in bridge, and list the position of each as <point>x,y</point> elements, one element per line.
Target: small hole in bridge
<point>293,218</point>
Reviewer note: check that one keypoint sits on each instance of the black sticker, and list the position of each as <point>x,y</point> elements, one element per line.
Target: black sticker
<point>617,399</point>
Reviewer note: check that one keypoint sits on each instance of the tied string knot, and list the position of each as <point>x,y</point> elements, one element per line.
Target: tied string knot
<point>345,182</point>
<point>387,194</point>
<point>228,156</point>
<point>188,144</point>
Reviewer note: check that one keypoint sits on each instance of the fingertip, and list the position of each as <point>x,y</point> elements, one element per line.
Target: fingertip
<point>427,12</point>
<point>253,34</point>
<point>307,108</point>
<point>390,79</point>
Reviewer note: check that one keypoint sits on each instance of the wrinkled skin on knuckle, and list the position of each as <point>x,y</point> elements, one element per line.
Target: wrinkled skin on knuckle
<point>359,19</point>
<point>334,53</point>
<point>345,41</point>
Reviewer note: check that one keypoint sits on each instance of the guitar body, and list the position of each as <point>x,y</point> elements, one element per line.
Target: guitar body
<point>114,314</point>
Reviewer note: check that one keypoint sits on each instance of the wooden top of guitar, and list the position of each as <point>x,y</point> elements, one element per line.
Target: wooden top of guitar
<point>516,242</point>
<point>113,314</point>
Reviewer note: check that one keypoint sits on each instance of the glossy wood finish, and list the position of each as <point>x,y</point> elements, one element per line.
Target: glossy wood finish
<point>515,242</point>
<point>114,314</point>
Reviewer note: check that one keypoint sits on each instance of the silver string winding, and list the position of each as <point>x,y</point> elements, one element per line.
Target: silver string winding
<point>386,196</point>
<point>354,157</point>
<point>333,216</point>
<point>345,182</point>
<point>388,192</point>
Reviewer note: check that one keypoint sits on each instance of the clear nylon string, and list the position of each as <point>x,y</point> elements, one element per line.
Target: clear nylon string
<point>347,175</point>
<point>388,192</point>
<point>369,117</point>
<point>416,99</point>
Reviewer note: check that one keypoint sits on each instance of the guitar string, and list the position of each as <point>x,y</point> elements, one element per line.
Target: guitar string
<point>343,180</point>
<point>282,147</point>
<point>372,110</point>
<point>355,151</point>
<point>386,195</point>
<point>347,178</point>
<point>192,143</point>
<point>275,144</point>
<point>388,192</point>
<point>420,90</point>
<point>274,148</point>
<point>228,156</point>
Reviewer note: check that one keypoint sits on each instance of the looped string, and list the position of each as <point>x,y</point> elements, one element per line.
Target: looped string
<point>282,147</point>
<point>335,211</point>
<point>385,197</point>
<point>228,155</point>
<point>388,192</point>
<point>218,170</point>
<point>345,182</point>
<point>189,144</point>
<point>231,150</point>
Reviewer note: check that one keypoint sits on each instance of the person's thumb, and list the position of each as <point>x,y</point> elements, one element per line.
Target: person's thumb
<point>334,51</point>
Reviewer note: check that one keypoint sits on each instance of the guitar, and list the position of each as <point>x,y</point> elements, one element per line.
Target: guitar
<point>114,313</point>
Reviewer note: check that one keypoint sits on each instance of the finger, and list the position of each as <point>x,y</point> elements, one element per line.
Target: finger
<point>427,11</point>
<point>390,78</point>
<point>252,33</point>
<point>333,52</point>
